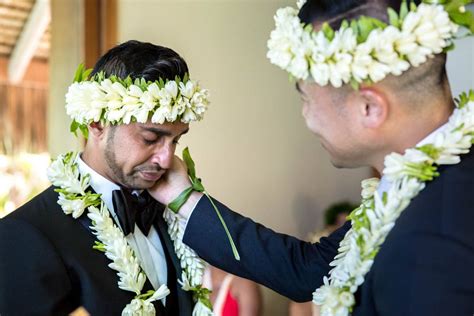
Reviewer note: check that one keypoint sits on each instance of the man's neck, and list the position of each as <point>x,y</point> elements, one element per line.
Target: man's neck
<point>95,163</point>
<point>413,131</point>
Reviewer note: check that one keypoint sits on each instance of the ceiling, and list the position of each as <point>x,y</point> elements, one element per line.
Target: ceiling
<point>13,16</point>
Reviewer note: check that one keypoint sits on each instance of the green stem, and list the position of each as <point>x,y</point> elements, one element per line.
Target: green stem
<point>176,204</point>
<point>231,241</point>
<point>146,295</point>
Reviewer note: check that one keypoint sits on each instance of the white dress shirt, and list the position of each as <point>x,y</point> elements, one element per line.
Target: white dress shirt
<point>148,249</point>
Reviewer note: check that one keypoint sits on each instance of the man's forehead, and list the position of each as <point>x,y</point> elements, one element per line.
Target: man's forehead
<point>167,128</point>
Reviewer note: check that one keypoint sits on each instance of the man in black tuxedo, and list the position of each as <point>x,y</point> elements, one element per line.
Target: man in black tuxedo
<point>48,265</point>
<point>425,266</point>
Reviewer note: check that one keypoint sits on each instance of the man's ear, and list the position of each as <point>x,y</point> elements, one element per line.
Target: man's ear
<point>373,107</point>
<point>96,129</point>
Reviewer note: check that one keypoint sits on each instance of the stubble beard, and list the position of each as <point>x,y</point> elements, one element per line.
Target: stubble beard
<point>111,161</point>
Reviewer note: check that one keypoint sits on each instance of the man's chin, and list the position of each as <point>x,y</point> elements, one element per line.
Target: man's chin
<point>139,183</point>
<point>338,164</point>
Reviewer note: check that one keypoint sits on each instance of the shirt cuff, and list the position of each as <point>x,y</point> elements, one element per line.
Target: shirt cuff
<point>185,215</point>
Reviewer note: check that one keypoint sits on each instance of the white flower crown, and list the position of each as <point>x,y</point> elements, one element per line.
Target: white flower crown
<point>366,49</point>
<point>123,101</point>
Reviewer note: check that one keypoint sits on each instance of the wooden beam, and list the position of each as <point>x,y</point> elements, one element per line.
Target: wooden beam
<point>92,32</point>
<point>37,71</point>
<point>11,23</point>
<point>109,24</point>
<point>13,13</point>
<point>5,49</point>
<point>29,39</point>
<point>100,29</point>
<point>21,4</point>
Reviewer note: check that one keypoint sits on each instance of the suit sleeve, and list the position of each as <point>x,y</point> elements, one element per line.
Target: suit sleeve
<point>33,279</point>
<point>287,265</point>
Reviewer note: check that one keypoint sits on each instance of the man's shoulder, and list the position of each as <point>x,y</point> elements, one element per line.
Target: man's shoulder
<point>446,205</point>
<point>455,184</point>
<point>40,213</point>
<point>43,204</point>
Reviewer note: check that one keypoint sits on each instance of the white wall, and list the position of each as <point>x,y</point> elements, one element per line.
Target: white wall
<point>252,150</point>
<point>67,46</point>
<point>461,64</point>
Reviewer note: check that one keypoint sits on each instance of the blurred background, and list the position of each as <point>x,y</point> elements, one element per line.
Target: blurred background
<point>253,150</point>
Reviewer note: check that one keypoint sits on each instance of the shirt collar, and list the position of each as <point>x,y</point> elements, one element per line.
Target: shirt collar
<point>100,184</point>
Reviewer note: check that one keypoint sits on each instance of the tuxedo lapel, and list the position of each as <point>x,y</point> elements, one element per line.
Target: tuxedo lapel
<point>85,222</point>
<point>185,300</point>
<point>166,240</point>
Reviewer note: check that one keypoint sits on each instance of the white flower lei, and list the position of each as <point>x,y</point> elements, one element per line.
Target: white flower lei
<point>365,50</point>
<point>375,217</point>
<point>74,200</point>
<point>122,101</point>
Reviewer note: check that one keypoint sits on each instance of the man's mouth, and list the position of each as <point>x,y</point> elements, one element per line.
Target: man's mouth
<point>151,175</point>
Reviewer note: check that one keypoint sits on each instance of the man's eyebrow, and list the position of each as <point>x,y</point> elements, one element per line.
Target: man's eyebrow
<point>161,132</point>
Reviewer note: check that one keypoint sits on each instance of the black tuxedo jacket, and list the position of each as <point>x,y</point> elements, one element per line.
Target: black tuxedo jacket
<point>425,266</point>
<point>48,266</point>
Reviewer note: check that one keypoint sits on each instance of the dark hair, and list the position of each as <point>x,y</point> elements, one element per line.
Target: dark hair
<point>142,60</point>
<point>331,213</point>
<point>322,10</point>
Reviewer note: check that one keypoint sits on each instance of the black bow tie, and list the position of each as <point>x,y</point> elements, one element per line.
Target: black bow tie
<point>131,209</point>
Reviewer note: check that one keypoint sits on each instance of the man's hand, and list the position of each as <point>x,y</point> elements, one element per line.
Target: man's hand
<point>172,183</point>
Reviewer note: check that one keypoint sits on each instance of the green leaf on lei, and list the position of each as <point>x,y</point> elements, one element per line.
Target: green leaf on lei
<point>161,83</point>
<point>186,78</point>
<point>201,294</point>
<point>92,199</point>
<point>355,84</point>
<point>74,126</point>
<point>344,24</point>
<point>82,73</point>
<point>393,18</point>
<point>99,246</point>
<point>423,171</point>
<point>430,150</point>
<point>328,31</point>
<point>403,10</point>
<point>84,130</point>
<point>146,295</point>
<point>449,48</point>
<point>365,27</point>
<point>464,98</point>
<point>465,18</point>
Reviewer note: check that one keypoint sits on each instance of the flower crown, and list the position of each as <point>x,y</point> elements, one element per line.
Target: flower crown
<point>366,49</point>
<point>122,101</point>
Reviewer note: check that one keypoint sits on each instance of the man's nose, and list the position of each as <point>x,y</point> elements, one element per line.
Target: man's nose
<point>163,156</point>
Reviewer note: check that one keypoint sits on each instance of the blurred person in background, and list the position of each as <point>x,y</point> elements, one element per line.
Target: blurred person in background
<point>232,295</point>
